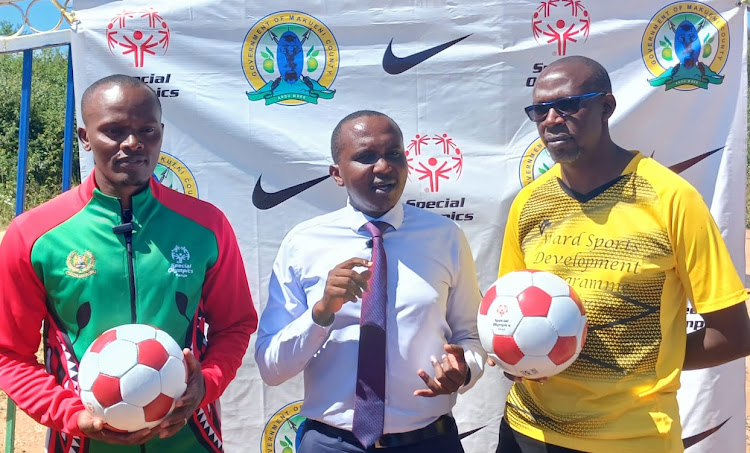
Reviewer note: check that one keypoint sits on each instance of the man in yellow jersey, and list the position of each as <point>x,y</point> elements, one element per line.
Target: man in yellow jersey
<point>635,241</point>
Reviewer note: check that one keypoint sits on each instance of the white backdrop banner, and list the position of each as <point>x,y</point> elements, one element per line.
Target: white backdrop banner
<point>251,91</point>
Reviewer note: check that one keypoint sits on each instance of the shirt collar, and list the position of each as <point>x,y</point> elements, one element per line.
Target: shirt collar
<point>356,219</point>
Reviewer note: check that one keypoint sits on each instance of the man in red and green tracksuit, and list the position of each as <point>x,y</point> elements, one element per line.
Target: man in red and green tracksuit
<point>119,249</point>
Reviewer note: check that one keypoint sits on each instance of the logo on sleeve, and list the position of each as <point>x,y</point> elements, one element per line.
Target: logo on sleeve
<point>180,267</point>
<point>80,265</point>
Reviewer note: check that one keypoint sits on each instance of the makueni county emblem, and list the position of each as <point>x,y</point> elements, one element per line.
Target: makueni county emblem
<point>290,58</point>
<point>280,432</point>
<point>173,173</point>
<point>534,162</point>
<point>685,46</point>
<point>80,265</point>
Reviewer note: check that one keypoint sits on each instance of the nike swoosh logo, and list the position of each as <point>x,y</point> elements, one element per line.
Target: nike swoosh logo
<point>395,65</point>
<point>692,440</point>
<point>684,165</point>
<point>469,433</point>
<point>266,200</point>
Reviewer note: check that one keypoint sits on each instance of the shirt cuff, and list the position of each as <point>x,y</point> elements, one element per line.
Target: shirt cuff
<point>475,360</point>
<point>314,327</point>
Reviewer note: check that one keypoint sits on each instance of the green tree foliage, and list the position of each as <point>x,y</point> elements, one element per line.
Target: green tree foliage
<point>46,128</point>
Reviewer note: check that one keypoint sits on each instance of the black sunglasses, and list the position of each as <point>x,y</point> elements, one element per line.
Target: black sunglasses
<point>563,106</point>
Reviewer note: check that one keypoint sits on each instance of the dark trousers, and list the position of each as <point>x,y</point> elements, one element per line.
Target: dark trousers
<point>331,440</point>
<point>514,442</point>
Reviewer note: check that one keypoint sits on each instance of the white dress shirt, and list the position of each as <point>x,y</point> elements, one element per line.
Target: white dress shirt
<point>433,298</point>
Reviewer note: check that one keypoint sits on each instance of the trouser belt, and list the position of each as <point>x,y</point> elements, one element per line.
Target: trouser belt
<point>445,424</point>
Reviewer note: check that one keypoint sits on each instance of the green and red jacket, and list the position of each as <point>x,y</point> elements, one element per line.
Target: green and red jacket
<point>81,264</point>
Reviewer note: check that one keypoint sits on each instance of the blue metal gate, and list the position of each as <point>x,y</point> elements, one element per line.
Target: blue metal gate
<point>27,39</point>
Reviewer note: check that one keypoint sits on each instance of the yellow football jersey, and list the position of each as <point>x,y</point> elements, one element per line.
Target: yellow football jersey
<point>634,250</point>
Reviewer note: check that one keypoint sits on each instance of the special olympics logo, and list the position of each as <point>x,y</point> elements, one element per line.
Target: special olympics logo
<point>280,432</point>
<point>138,32</point>
<point>685,46</point>
<point>173,173</point>
<point>561,22</point>
<point>502,309</point>
<point>534,162</point>
<point>434,159</point>
<point>180,253</point>
<point>290,58</point>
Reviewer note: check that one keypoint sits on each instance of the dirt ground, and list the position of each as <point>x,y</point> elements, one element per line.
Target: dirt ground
<point>29,435</point>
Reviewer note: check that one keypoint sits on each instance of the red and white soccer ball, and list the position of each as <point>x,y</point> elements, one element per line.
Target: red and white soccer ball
<point>532,323</point>
<point>131,376</point>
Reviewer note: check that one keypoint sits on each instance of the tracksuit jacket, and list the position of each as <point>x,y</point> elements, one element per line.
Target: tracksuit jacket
<point>81,264</point>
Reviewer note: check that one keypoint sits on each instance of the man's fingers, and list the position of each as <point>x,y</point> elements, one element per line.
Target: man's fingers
<point>424,376</point>
<point>454,349</point>
<point>438,366</point>
<point>180,422</point>
<point>350,283</point>
<point>433,387</point>
<point>97,424</point>
<point>116,437</point>
<point>428,393</point>
<point>451,361</point>
<point>340,291</point>
<point>347,284</point>
<point>365,275</point>
<point>171,431</point>
<point>355,287</point>
<point>193,365</point>
<point>511,377</point>
<point>171,428</point>
<point>351,263</point>
<point>360,278</point>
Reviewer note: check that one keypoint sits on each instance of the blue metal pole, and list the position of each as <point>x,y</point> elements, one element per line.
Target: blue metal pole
<point>67,162</point>
<point>23,152</point>
<point>23,131</point>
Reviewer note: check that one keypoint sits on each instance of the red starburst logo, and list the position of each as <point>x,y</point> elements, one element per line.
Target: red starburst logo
<point>138,33</point>
<point>502,309</point>
<point>561,22</point>
<point>434,158</point>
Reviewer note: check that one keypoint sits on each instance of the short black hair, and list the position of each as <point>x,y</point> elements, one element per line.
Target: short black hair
<point>113,80</point>
<point>336,135</point>
<point>599,78</point>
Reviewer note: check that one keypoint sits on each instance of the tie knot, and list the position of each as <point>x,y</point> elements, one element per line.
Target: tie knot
<point>376,228</point>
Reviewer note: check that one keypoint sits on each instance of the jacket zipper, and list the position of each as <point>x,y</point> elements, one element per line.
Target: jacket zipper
<point>126,229</point>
